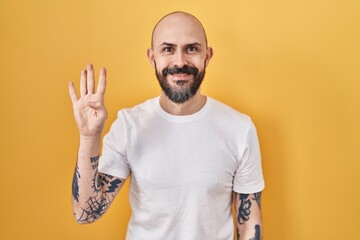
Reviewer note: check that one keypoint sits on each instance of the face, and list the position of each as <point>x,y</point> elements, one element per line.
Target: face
<point>179,55</point>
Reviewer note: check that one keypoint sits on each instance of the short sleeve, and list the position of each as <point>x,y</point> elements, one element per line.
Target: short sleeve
<point>113,160</point>
<point>248,177</point>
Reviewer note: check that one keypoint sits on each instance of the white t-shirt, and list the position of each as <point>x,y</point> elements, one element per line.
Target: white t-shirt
<point>183,169</point>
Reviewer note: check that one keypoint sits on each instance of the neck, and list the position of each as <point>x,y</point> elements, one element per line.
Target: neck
<point>189,107</point>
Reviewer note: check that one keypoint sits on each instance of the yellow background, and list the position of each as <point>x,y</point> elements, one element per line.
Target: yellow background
<point>293,66</point>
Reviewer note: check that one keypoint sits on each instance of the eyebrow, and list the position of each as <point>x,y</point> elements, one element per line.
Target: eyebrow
<point>168,44</point>
<point>174,45</point>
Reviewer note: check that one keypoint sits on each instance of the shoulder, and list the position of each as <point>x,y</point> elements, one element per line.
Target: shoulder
<point>138,114</point>
<point>227,113</point>
<point>229,121</point>
<point>141,109</point>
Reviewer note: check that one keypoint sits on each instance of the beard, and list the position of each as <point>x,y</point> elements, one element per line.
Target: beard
<point>180,93</point>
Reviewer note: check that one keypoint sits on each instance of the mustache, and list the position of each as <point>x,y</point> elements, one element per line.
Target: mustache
<point>176,70</point>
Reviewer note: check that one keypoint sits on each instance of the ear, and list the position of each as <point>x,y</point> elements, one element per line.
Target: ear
<point>209,54</point>
<point>150,55</point>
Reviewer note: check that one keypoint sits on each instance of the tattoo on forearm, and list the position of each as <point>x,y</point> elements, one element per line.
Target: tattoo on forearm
<point>257,233</point>
<point>103,185</point>
<point>96,180</point>
<point>94,162</point>
<point>96,207</point>
<point>112,184</point>
<point>244,208</point>
<point>257,198</point>
<point>75,183</point>
<point>101,180</point>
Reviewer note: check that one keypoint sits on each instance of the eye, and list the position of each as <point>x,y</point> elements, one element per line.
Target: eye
<point>167,49</point>
<point>192,49</point>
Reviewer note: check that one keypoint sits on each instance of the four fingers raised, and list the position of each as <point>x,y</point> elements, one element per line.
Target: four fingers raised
<point>87,83</point>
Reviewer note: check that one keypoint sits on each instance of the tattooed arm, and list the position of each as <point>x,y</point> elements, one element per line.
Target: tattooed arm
<point>93,192</point>
<point>248,216</point>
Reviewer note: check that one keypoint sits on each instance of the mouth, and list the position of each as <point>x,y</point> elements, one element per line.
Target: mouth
<point>180,76</point>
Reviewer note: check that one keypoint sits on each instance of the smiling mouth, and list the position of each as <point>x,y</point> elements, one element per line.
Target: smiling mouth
<point>180,74</point>
<point>180,77</point>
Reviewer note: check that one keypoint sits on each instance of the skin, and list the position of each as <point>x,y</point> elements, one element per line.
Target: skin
<point>93,192</point>
<point>178,39</point>
<point>248,216</point>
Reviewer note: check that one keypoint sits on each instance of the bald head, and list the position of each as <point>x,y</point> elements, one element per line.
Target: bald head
<point>179,22</point>
<point>180,55</point>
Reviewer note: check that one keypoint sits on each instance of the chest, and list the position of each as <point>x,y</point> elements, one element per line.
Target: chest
<point>195,158</point>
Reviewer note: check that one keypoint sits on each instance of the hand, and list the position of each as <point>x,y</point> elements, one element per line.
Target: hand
<point>89,110</point>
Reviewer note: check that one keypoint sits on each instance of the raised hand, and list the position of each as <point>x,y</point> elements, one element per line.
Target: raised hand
<point>89,110</point>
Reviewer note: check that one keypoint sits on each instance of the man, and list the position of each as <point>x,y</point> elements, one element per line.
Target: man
<point>188,155</point>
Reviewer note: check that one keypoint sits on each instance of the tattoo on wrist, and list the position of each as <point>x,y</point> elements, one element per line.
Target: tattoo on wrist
<point>75,183</point>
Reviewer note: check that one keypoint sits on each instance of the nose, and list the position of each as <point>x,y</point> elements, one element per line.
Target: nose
<point>180,59</point>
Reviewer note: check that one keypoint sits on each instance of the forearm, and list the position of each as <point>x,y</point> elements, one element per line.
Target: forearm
<point>248,214</point>
<point>86,187</point>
